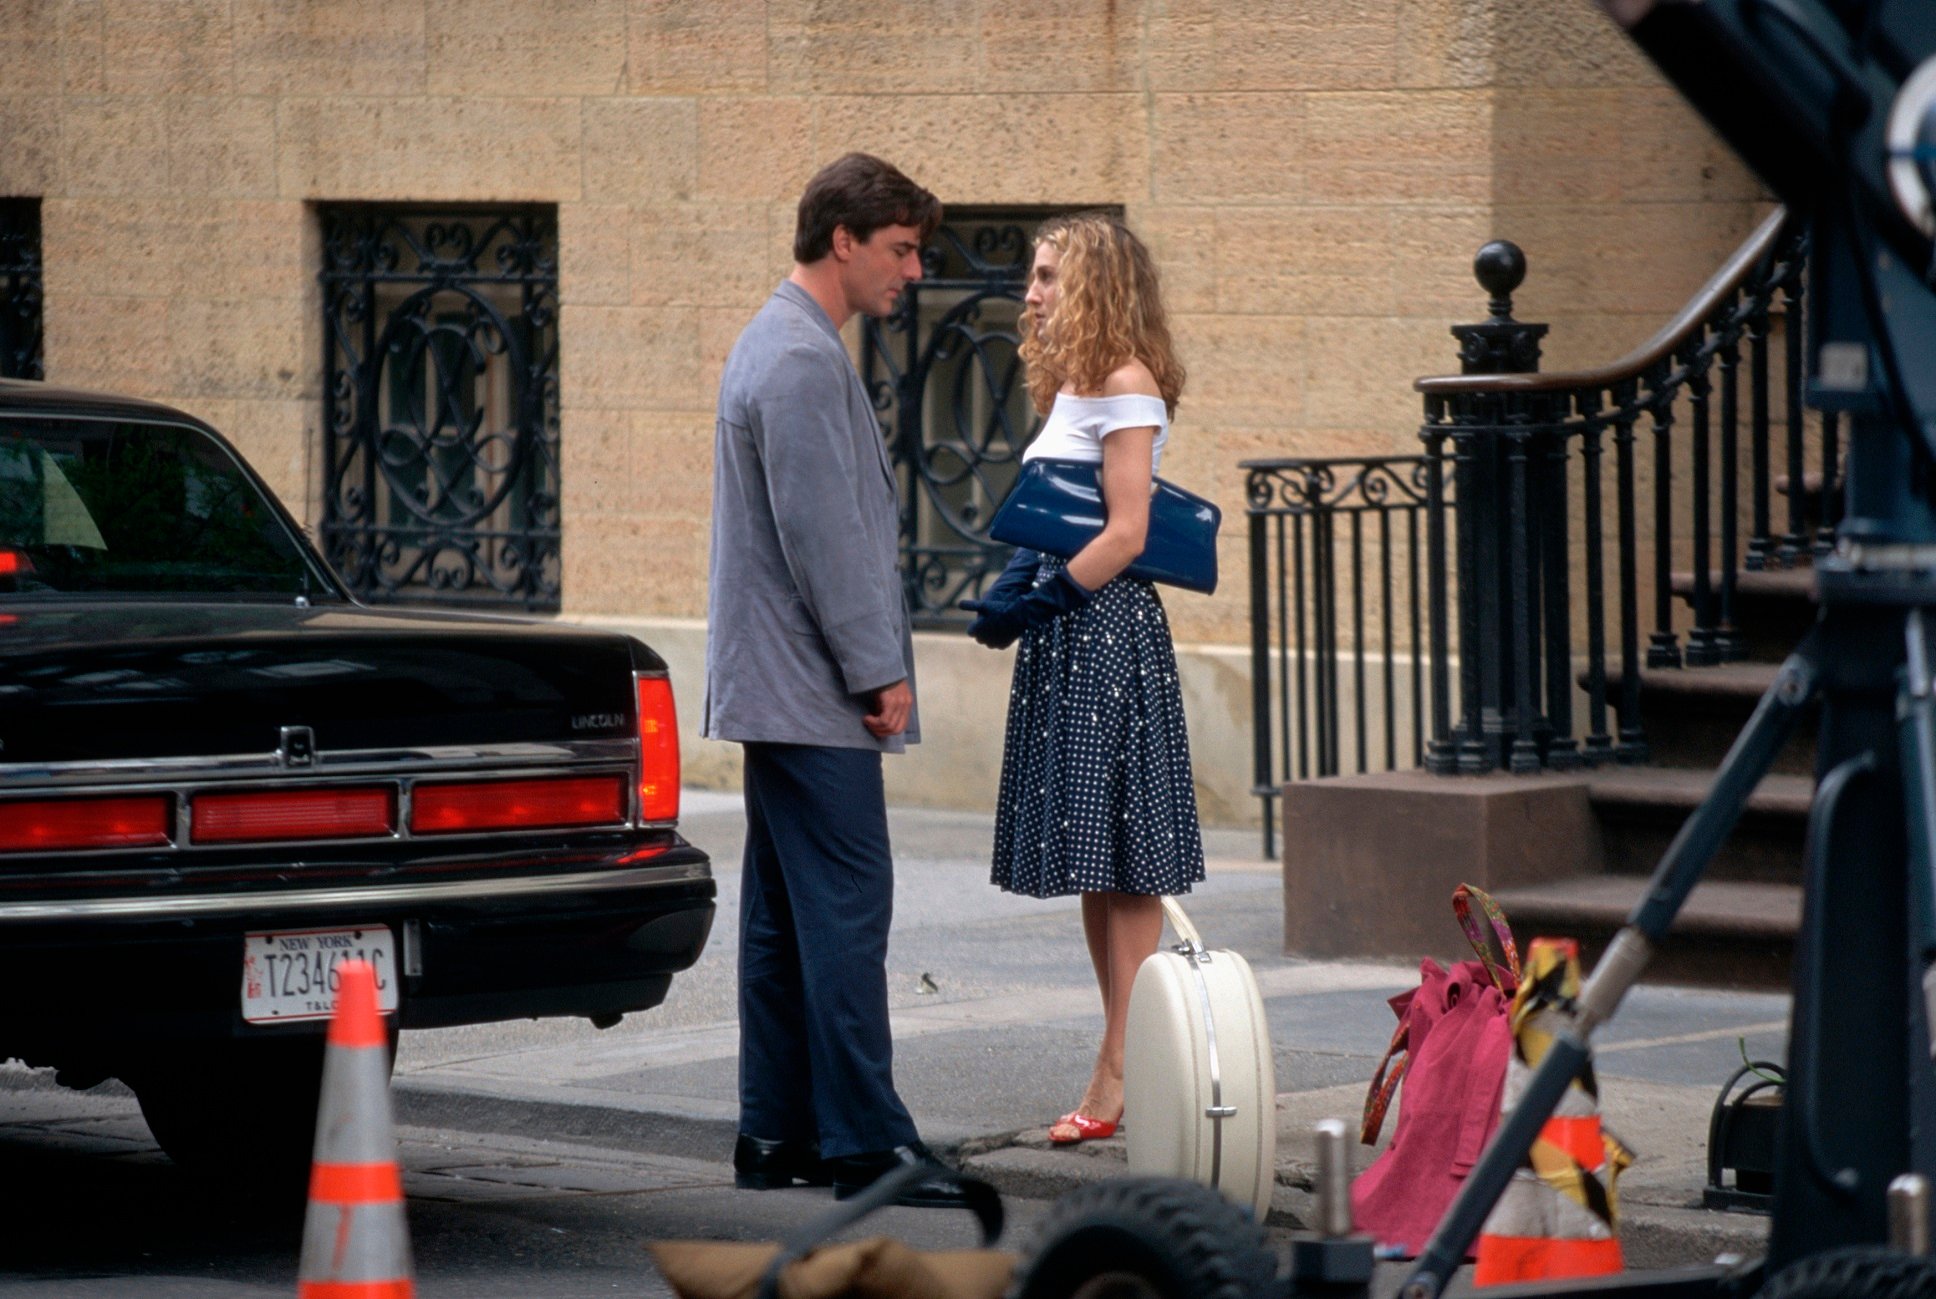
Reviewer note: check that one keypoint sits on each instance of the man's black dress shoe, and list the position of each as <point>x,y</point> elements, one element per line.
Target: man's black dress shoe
<point>853,1174</point>
<point>760,1165</point>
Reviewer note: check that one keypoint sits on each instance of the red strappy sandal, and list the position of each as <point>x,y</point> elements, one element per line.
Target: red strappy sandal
<point>1087,1128</point>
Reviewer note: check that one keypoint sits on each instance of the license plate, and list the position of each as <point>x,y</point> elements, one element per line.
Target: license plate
<point>290,974</point>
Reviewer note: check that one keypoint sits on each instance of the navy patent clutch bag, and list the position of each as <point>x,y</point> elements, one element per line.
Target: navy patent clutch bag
<point>1056,507</point>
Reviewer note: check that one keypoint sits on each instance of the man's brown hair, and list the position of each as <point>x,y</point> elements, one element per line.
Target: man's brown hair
<point>863,193</point>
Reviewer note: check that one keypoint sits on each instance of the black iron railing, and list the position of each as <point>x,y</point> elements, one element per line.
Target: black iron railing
<point>1542,460</point>
<point>1344,618</point>
<point>1556,509</point>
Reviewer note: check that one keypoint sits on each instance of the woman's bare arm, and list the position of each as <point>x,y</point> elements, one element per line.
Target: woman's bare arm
<point>1125,488</point>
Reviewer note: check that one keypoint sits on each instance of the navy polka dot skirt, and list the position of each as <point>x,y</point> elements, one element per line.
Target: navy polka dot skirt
<point>1096,789</point>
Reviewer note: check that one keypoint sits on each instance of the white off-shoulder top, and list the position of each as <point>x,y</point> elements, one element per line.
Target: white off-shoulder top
<point>1076,426</point>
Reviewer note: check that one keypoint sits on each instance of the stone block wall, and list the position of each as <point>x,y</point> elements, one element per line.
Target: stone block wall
<point>1313,174</point>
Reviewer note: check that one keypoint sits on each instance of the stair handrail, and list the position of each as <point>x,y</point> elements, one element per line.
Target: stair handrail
<point>1527,451</point>
<point>1431,595</point>
<point>1662,347</point>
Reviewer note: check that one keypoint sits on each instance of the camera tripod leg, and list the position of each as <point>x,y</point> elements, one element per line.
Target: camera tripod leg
<point>1674,878</point>
<point>1916,730</point>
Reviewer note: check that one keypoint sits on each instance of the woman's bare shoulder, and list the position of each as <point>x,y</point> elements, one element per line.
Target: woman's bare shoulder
<point>1131,377</point>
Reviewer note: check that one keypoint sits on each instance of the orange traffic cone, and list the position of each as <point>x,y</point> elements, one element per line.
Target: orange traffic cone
<point>355,1244</point>
<point>1558,1217</point>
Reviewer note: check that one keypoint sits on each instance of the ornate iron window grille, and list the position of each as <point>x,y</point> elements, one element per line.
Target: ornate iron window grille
<point>441,403</point>
<point>948,387</point>
<point>20,289</point>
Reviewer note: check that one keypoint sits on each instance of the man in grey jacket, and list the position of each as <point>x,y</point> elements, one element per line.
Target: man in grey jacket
<point>810,666</point>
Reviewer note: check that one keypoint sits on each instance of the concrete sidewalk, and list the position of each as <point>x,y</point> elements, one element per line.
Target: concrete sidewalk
<point>996,1019</point>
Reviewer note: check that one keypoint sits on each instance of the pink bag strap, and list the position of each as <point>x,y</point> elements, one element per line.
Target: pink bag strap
<point>1378,1096</point>
<point>1462,899</point>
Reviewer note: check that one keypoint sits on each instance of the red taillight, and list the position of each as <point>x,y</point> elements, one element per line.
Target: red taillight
<point>67,824</point>
<point>517,805</point>
<point>272,815</point>
<point>658,751</point>
<point>12,562</point>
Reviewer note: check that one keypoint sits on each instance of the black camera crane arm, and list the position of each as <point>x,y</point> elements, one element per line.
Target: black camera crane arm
<point>1801,89</point>
<point>1833,103</point>
<point>1819,98</point>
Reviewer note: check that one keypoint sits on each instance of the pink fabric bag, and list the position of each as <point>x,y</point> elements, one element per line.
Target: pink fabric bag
<point>1450,1049</point>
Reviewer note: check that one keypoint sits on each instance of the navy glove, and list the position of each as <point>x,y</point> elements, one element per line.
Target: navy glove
<point>1000,625</point>
<point>1012,584</point>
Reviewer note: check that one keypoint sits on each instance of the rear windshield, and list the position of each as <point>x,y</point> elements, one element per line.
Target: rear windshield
<point>127,508</point>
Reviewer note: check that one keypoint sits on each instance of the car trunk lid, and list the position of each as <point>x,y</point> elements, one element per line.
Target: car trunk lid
<point>115,680</point>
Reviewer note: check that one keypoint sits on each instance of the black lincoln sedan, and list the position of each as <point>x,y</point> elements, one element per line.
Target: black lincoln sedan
<point>220,776</point>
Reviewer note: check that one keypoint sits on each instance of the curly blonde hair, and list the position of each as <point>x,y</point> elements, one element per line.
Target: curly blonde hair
<point>1108,312</point>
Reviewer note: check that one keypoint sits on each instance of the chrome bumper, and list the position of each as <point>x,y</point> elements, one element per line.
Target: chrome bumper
<point>336,898</point>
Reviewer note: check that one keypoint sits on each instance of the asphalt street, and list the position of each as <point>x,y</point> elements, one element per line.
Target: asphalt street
<point>95,1211</point>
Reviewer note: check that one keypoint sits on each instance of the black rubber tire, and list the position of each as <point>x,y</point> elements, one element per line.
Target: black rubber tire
<point>1148,1237</point>
<point>1859,1272</point>
<point>221,1108</point>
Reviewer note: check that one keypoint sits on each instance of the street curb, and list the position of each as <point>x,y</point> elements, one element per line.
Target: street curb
<point>636,1131</point>
<point>1661,1235</point>
<point>1651,1235</point>
<point>1032,1173</point>
<point>1020,1163</point>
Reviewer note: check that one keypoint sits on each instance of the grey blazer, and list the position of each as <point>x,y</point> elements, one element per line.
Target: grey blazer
<point>805,615</point>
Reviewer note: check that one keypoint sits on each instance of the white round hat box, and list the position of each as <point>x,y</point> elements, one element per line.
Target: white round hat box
<point>1199,1085</point>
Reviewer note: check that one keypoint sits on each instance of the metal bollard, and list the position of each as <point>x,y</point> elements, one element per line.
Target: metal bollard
<point>1909,1214</point>
<point>1332,1261</point>
<point>1334,1179</point>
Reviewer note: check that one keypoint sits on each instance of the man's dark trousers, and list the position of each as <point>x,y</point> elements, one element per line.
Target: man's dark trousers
<point>816,1061</point>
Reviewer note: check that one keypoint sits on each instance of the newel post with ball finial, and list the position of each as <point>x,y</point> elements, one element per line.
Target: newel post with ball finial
<point>1508,470</point>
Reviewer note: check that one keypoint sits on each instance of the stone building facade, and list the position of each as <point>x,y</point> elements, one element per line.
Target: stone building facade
<point>1314,176</point>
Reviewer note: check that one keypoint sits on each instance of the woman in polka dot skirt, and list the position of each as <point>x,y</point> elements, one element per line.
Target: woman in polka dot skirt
<point>1096,794</point>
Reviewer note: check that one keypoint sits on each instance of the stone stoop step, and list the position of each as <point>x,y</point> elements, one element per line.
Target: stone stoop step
<point>1769,584</point>
<point>1693,715</point>
<point>1731,933</point>
<point>1772,609</point>
<point>1641,809</point>
<point>1738,928</point>
<point>1680,790</point>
